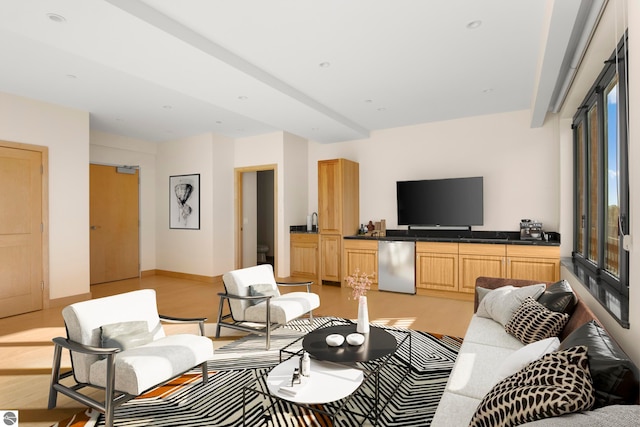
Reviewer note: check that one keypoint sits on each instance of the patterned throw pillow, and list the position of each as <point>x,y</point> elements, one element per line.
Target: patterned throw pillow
<point>558,383</point>
<point>533,322</point>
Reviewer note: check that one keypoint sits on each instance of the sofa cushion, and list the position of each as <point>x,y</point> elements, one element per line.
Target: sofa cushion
<point>559,297</point>
<point>500,304</point>
<point>124,335</point>
<point>489,332</point>
<point>609,416</point>
<point>556,384</point>
<point>475,369</point>
<point>284,308</point>
<point>532,322</point>
<point>615,377</point>
<point>454,410</point>
<point>527,354</point>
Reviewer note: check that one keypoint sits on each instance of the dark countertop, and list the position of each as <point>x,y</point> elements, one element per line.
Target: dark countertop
<point>464,236</point>
<point>302,229</point>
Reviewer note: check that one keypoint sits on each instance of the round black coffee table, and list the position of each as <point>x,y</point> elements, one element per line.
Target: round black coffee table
<point>377,343</point>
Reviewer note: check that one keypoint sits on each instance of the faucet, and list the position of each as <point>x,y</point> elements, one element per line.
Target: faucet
<point>314,220</point>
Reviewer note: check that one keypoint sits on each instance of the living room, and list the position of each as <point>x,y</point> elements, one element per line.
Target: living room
<point>501,147</point>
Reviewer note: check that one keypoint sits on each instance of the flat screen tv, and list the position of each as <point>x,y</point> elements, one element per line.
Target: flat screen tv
<point>455,202</point>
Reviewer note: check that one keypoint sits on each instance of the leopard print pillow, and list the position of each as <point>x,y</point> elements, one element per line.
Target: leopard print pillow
<point>533,322</point>
<point>556,384</point>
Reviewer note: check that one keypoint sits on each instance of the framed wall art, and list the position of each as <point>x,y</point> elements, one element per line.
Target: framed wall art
<point>184,202</point>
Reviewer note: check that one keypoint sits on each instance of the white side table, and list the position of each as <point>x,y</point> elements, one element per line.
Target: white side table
<point>328,381</point>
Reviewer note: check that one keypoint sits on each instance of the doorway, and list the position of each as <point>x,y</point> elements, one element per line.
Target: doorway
<point>23,228</point>
<point>114,223</point>
<point>256,216</point>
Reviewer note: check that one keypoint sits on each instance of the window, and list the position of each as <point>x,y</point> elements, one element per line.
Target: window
<point>601,187</point>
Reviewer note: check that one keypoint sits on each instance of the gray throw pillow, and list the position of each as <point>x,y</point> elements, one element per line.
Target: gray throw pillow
<point>262,290</point>
<point>124,335</point>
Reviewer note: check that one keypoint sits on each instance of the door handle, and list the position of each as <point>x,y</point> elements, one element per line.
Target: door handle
<point>94,227</point>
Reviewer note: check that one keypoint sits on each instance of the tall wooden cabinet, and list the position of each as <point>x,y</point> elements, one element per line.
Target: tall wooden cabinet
<point>338,212</point>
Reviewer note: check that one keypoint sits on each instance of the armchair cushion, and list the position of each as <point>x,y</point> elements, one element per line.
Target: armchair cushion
<point>284,308</point>
<point>238,282</point>
<point>124,335</point>
<point>143,367</point>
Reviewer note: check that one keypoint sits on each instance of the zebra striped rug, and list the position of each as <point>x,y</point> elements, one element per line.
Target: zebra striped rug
<point>185,402</point>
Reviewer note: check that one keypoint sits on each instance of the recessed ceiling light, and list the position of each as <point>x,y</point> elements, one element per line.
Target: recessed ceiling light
<point>56,18</point>
<point>243,98</point>
<point>167,107</point>
<point>368,101</point>
<point>324,64</point>
<point>487,90</point>
<point>218,122</point>
<point>72,76</point>
<point>474,24</point>
<point>382,109</point>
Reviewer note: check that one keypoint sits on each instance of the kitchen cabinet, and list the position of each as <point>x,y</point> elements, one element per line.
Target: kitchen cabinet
<point>361,255</point>
<point>477,259</point>
<point>533,263</point>
<point>437,266</point>
<point>338,212</point>
<point>330,254</point>
<point>304,255</point>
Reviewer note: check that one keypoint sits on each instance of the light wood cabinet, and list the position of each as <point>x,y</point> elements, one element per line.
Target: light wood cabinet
<point>477,259</point>
<point>437,266</point>
<point>449,268</point>
<point>304,255</point>
<point>361,255</point>
<point>338,212</point>
<point>330,254</point>
<point>533,263</point>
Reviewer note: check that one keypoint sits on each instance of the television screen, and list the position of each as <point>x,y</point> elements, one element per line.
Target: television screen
<point>440,202</point>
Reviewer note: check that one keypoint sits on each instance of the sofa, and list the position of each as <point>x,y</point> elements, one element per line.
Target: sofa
<point>534,354</point>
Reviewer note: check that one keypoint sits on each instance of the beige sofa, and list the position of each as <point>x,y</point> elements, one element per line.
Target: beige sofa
<point>487,348</point>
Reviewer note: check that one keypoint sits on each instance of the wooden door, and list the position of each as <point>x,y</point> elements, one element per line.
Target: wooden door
<point>21,262</point>
<point>114,216</point>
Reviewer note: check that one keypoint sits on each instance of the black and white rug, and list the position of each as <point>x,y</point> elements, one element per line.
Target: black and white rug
<point>186,402</point>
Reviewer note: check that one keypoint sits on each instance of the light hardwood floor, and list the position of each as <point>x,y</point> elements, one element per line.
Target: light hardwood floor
<point>26,349</point>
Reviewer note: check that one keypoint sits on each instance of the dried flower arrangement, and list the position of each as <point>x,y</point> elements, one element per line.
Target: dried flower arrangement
<point>360,283</point>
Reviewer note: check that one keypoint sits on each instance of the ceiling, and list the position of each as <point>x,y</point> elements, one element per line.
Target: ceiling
<point>326,70</point>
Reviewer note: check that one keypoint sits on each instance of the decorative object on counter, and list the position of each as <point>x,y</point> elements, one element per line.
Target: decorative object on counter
<point>309,225</point>
<point>314,221</point>
<point>355,339</point>
<point>378,229</point>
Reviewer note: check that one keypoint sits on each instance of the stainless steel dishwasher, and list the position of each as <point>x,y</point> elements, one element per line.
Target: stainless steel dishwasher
<point>396,266</point>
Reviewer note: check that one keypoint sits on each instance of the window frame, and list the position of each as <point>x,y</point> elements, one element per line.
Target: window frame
<point>610,290</point>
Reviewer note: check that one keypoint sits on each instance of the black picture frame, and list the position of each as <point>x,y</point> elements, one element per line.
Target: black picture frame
<point>184,202</point>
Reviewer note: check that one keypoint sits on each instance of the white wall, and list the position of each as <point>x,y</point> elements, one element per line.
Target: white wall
<point>185,251</point>
<point>66,132</point>
<point>118,150</point>
<point>520,166</point>
<point>223,206</point>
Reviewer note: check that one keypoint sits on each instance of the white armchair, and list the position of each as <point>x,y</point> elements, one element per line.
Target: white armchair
<point>256,305</point>
<point>118,344</point>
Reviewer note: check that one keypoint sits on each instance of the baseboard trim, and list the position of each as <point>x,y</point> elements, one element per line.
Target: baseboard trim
<point>65,301</point>
<point>186,276</point>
